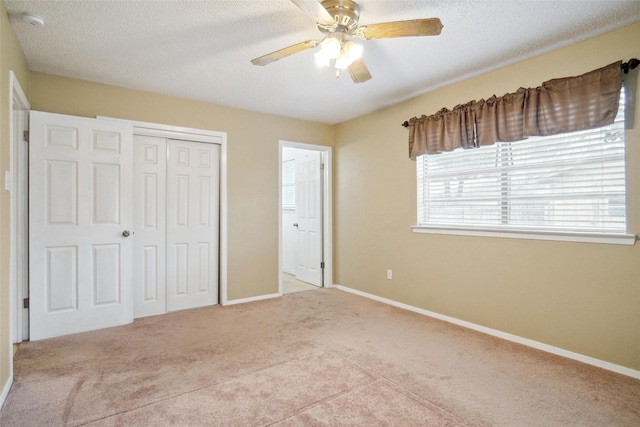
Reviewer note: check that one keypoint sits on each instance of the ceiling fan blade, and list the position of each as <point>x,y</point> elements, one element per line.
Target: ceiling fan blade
<point>411,28</point>
<point>359,72</point>
<point>316,11</point>
<point>283,53</point>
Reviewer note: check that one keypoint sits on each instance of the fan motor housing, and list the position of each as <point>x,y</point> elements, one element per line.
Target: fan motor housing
<point>345,12</point>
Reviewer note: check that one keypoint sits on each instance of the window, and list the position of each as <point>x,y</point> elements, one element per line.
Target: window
<point>289,185</point>
<point>571,183</point>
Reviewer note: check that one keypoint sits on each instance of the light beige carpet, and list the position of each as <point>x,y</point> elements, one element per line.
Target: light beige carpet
<point>322,357</point>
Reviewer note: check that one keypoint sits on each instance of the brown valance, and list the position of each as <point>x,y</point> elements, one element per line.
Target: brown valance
<point>559,105</point>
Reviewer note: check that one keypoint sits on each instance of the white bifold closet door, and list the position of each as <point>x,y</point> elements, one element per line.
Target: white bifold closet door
<point>176,216</point>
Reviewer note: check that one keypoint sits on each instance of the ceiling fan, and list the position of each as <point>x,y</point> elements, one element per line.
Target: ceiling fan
<point>338,20</point>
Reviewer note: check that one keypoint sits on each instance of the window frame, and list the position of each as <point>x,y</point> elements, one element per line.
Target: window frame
<point>479,231</point>
<point>508,231</point>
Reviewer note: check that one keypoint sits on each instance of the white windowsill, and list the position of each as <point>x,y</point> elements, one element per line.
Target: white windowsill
<point>614,239</point>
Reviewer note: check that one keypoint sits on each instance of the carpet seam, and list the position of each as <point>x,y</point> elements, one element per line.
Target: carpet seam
<point>191,391</point>
<point>414,396</point>
<point>324,400</point>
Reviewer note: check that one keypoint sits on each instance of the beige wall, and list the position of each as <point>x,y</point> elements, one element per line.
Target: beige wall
<point>577,296</point>
<point>11,58</point>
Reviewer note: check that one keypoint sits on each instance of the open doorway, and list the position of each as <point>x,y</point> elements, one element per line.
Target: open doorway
<point>305,217</point>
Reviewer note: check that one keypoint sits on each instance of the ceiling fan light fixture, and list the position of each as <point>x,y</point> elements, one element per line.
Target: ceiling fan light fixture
<point>322,60</point>
<point>331,47</point>
<point>342,61</point>
<point>353,50</point>
<point>338,21</point>
<point>350,52</point>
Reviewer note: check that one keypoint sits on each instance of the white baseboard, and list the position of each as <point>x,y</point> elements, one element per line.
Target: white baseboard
<point>506,336</point>
<point>252,299</point>
<point>5,391</point>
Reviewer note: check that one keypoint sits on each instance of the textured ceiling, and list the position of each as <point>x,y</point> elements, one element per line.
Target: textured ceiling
<point>201,49</point>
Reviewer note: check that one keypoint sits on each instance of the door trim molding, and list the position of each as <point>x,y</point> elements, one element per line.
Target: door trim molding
<point>327,209</point>
<point>198,135</point>
<point>7,387</point>
<point>16,324</point>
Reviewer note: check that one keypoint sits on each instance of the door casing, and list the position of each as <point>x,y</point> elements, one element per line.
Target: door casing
<point>19,224</point>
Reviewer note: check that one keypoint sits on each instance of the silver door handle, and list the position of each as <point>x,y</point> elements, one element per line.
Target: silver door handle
<point>295,224</point>
<point>126,233</point>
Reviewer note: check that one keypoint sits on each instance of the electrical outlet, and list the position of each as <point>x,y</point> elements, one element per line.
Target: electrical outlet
<point>389,274</point>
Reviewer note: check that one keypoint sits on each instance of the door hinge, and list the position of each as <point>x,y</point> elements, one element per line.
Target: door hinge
<point>322,264</point>
<point>25,135</point>
<point>321,166</point>
<point>25,303</point>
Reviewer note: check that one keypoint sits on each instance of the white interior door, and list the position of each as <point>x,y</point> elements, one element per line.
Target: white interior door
<point>192,224</point>
<point>79,208</point>
<point>309,210</point>
<point>149,207</point>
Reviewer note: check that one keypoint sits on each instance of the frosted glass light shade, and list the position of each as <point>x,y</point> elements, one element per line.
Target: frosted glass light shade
<point>354,51</point>
<point>322,59</point>
<point>331,47</point>
<point>342,61</point>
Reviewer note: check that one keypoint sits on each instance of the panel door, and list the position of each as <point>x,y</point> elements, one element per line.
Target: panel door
<point>79,207</point>
<point>192,224</point>
<point>149,218</point>
<point>309,209</point>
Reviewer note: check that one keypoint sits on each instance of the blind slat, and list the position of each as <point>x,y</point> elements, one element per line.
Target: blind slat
<point>289,184</point>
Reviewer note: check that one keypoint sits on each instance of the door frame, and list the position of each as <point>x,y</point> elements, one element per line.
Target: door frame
<point>197,135</point>
<point>327,210</point>
<point>19,225</point>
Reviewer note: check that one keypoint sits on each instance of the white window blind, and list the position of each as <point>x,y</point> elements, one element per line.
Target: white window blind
<point>572,182</point>
<point>289,184</point>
